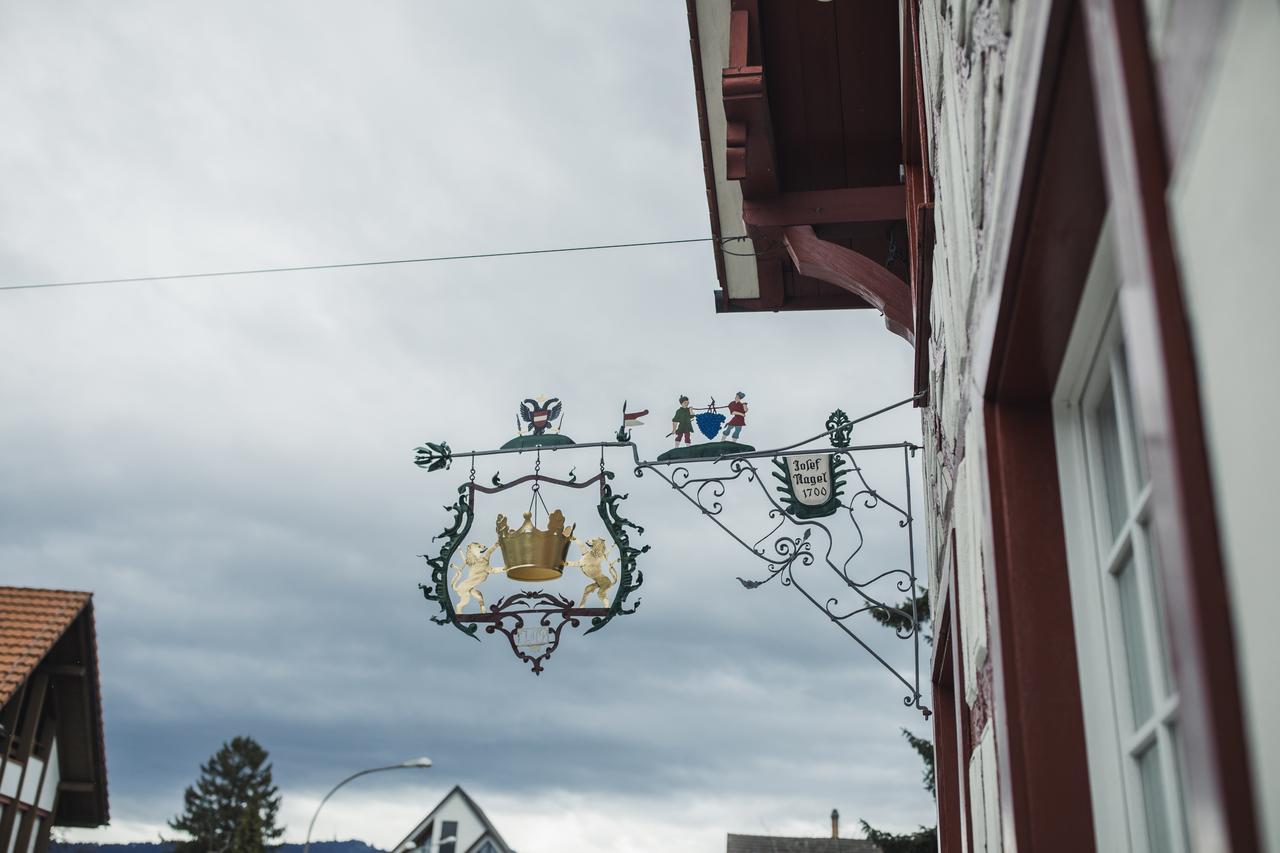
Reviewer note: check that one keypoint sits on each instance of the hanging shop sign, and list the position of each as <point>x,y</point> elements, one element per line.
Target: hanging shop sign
<point>501,563</point>
<point>537,550</point>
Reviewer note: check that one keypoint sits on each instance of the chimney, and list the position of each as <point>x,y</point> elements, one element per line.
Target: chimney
<point>835,824</point>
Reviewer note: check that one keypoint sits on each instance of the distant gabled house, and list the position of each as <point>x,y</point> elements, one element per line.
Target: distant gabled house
<point>455,825</point>
<point>53,769</point>
<point>788,844</point>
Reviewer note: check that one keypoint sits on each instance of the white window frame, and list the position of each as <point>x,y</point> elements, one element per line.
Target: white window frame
<point>1115,787</point>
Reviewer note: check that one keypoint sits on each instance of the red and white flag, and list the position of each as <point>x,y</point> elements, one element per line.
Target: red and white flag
<point>632,419</point>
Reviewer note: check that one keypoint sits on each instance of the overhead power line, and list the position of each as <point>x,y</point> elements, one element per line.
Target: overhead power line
<point>309,267</point>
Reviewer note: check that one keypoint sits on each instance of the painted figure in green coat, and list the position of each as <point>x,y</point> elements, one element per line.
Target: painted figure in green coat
<point>682,422</point>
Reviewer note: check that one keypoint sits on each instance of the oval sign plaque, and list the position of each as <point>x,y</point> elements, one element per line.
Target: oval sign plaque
<point>811,484</point>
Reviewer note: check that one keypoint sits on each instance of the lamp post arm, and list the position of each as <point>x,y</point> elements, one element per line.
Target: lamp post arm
<point>306,848</point>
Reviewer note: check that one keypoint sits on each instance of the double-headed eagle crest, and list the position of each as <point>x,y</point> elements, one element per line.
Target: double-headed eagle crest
<point>539,416</point>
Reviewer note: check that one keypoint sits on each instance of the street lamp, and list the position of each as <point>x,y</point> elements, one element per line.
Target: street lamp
<point>422,763</point>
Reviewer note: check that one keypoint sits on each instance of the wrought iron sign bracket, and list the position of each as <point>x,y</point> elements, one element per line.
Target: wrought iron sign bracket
<point>803,484</point>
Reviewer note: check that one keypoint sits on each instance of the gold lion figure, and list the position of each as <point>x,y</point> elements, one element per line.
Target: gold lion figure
<point>594,552</point>
<point>476,559</point>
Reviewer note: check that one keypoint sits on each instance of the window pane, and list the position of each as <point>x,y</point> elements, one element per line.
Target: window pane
<point>1135,422</point>
<point>1178,764</point>
<point>1134,645</point>
<point>1157,590</point>
<point>1153,799</point>
<point>448,830</point>
<point>1112,473</point>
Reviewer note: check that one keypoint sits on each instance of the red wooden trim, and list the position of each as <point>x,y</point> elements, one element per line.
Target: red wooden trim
<point>738,38</point>
<point>922,295</point>
<point>919,181</point>
<point>861,204</point>
<point>751,158</point>
<point>948,771</point>
<point>1044,777</point>
<point>839,299</point>
<point>1219,791</point>
<point>830,262</point>
<point>750,131</point>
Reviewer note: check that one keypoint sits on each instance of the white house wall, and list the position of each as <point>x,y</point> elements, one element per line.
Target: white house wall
<point>1224,218</point>
<point>964,50</point>
<point>455,808</point>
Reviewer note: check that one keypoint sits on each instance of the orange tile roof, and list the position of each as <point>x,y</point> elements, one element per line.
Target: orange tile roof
<point>31,621</point>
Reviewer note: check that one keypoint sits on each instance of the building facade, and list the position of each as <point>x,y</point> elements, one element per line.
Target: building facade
<point>1081,260</point>
<point>52,764</point>
<point>457,824</point>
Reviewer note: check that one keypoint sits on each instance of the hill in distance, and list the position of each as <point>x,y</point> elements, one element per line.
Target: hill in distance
<point>159,847</point>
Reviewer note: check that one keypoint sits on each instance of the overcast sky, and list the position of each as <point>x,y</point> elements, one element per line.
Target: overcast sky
<point>227,463</point>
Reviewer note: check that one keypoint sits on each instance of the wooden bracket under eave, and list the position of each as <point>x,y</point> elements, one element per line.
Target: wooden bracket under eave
<point>855,272</point>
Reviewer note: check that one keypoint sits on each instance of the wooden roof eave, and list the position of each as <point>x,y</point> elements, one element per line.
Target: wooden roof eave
<point>709,24</point>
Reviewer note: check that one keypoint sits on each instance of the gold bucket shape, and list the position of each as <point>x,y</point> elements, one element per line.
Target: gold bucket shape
<point>531,554</point>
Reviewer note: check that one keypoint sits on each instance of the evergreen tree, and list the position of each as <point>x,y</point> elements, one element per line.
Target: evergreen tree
<point>924,840</point>
<point>232,807</point>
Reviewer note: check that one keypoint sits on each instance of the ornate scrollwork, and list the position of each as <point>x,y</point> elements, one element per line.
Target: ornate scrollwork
<point>550,614</point>
<point>433,456</point>
<point>438,589</point>
<point>629,577</point>
<point>793,543</point>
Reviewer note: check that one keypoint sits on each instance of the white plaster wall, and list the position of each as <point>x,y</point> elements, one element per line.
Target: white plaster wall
<point>984,794</point>
<point>1227,228</point>
<point>31,782</point>
<point>980,61</point>
<point>49,792</point>
<point>469,827</point>
<point>9,782</point>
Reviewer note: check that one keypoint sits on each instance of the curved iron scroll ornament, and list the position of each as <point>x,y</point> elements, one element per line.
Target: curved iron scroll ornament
<point>629,577</point>
<point>814,544</point>
<point>438,590</point>
<point>433,456</point>
<point>552,612</point>
<point>533,620</point>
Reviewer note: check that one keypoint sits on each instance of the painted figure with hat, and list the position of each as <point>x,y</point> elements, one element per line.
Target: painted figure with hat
<point>737,416</point>
<point>682,422</point>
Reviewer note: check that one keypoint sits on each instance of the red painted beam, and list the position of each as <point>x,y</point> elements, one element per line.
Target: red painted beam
<point>860,204</point>
<point>855,272</point>
<point>749,144</point>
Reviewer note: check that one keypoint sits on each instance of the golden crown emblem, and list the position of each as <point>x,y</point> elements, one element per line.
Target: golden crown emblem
<point>531,554</point>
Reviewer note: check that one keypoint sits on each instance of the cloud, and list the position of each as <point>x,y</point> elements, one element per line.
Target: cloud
<point>227,462</point>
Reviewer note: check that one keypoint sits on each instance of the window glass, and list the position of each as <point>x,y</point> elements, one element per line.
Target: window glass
<point>1157,592</point>
<point>1135,646</point>
<point>1132,700</point>
<point>1178,765</point>
<point>1107,425</point>
<point>35,834</point>
<point>1139,451</point>
<point>1154,802</point>
<point>448,830</point>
